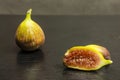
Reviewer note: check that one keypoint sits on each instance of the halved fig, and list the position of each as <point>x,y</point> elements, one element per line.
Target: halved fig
<point>85,58</point>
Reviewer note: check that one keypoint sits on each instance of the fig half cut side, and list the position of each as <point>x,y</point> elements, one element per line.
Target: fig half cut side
<point>84,58</point>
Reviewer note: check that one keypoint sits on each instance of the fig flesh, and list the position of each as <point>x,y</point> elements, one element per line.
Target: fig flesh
<point>85,58</point>
<point>29,35</point>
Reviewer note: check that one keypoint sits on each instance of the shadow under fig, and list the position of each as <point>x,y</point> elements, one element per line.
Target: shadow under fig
<point>74,74</point>
<point>24,57</point>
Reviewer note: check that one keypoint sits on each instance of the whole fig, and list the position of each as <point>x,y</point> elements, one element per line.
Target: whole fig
<point>86,58</point>
<point>29,35</point>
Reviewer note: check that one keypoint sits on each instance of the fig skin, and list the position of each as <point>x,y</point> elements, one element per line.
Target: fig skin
<point>102,50</point>
<point>85,58</point>
<point>29,35</point>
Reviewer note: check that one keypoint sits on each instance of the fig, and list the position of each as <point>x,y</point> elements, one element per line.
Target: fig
<point>29,35</point>
<point>87,58</point>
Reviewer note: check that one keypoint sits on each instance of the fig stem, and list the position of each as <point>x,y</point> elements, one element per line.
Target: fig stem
<point>109,61</point>
<point>28,15</point>
<point>29,11</point>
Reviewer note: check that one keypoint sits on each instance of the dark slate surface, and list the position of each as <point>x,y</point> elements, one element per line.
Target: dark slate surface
<point>62,32</point>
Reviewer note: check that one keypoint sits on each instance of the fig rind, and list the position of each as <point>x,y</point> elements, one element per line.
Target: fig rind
<point>76,62</point>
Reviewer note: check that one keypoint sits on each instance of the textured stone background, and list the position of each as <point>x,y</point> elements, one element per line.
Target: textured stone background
<point>61,7</point>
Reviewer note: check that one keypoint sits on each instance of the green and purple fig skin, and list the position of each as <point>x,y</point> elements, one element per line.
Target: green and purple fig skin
<point>102,50</point>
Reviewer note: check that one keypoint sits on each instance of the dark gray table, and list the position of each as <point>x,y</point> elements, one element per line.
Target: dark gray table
<point>62,32</point>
